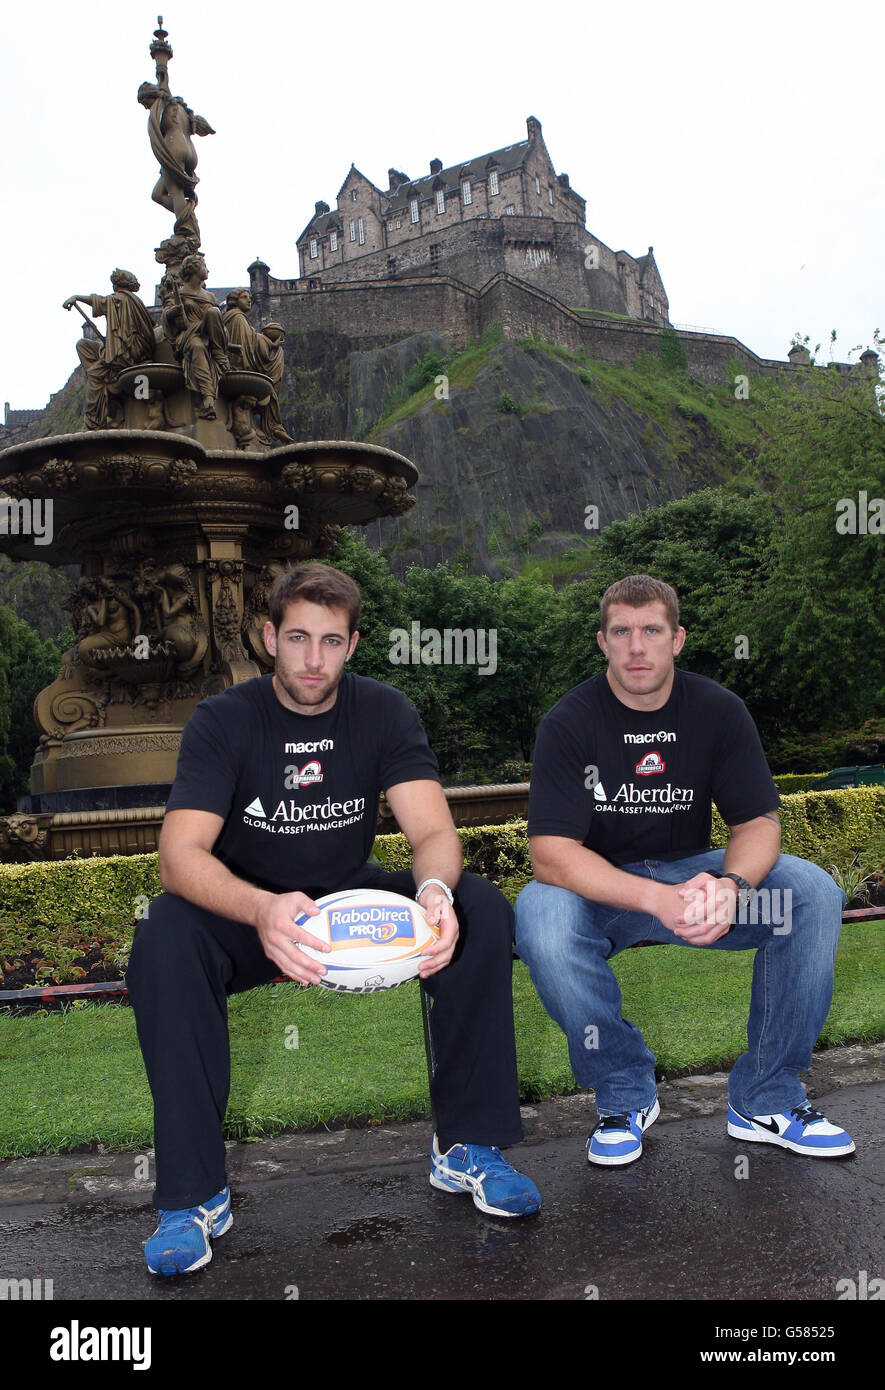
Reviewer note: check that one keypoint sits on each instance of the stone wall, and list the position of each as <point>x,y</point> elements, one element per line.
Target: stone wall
<point>543,251</point>
<point>383,311</point>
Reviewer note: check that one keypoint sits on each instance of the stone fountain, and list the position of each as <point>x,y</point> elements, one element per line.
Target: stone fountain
<point>182,499</point>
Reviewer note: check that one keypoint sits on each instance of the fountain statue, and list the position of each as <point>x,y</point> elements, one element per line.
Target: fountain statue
<point>181,500</point>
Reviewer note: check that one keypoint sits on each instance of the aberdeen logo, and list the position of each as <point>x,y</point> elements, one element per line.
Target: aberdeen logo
<point>652,762</point>
<point>255,808</point>
<point>599,792</point>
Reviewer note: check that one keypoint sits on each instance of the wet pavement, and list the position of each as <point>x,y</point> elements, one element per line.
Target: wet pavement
<point>349,1214</point>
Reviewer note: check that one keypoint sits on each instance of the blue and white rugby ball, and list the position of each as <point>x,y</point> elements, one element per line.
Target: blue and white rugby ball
<point>377,939</point>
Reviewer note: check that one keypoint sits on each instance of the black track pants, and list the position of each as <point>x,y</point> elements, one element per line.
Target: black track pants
<point>186,961</point>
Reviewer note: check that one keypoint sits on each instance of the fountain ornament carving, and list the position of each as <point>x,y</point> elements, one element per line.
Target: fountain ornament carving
<point>181,499</point>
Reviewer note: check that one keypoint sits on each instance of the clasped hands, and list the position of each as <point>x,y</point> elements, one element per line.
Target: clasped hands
<point>700,910</point>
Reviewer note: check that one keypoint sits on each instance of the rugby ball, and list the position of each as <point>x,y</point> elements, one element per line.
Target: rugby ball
<point>377,939</point>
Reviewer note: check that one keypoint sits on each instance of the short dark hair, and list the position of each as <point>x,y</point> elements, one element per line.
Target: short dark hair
<point>318,583</point>
<point>637,590</point>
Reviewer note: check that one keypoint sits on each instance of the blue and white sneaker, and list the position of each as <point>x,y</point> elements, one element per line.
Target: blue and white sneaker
<point>804,1130</point>
<point>497,1188</point>
<point>618,1138</point>
<point>180,1244</point>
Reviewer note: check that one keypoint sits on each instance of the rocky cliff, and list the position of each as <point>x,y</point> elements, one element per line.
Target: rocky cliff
<point>516,443</point>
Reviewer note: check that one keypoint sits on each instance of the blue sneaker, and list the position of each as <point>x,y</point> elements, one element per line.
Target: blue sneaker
<point>180,1244</point>
<point>618,1138</point>
<point>497,1188</point>
<point>804,1130</point>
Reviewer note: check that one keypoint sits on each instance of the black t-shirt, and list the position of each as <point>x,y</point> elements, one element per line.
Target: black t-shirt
<point>298,793</point>
<point>633,784</point>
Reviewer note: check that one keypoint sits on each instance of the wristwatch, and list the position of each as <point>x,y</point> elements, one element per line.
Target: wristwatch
<point>744,897</point>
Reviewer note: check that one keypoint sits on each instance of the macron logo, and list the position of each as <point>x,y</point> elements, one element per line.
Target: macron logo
<point>256,809</point>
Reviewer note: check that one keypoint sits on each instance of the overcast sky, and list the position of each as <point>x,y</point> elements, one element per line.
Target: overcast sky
<point>742,140</point>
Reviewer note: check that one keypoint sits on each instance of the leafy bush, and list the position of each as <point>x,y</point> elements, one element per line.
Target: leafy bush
<point>671,351</point>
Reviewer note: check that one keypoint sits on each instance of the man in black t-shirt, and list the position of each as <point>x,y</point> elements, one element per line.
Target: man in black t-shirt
<point>626,768</point>
<point>275,804</point>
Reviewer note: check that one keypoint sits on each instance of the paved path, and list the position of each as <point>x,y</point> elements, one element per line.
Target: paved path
<point>349,1214</point>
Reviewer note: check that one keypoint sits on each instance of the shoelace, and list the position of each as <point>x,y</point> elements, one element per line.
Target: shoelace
<point>614,1122</point>
<point>805,1115</point>
<point>177,1222</point>
<point>494,1167</point>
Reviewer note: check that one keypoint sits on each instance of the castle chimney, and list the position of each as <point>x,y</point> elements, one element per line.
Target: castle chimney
<point>799,356</point>
<point>321,207</point>
<point>533,126</point>
<point>394,178</point>
<point>436,166</point>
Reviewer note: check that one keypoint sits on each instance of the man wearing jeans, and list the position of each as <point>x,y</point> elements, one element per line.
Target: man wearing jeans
<point>626,768</point>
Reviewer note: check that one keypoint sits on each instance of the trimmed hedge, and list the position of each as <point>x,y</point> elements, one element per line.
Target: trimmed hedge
<point>789,782</point>
<point>54,907</point>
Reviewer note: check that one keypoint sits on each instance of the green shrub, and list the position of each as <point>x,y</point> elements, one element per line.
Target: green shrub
<point>60,909</point>
<point>671,351</point>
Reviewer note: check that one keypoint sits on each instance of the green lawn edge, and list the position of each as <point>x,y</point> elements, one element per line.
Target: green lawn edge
<point>308,1059</point>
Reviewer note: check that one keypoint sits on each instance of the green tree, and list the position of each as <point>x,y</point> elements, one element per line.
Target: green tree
<point>26,666</point>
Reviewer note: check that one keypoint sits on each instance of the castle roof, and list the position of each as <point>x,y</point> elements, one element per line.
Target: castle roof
<point>398,196</point>
<point>506,158</point>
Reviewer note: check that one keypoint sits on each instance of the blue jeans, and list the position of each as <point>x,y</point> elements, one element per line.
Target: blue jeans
<point>566,941</point>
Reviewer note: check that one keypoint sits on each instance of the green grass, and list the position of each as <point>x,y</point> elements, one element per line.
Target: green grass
<point>77,1077</point>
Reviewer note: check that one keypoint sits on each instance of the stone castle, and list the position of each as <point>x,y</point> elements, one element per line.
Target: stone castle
<point>500,239</point>
<point>506,211</point>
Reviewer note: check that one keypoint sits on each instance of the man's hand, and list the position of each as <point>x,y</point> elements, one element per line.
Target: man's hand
<point>439,913</point>
<point>280,937</point>
<point>699,910</point>
<point>710,907</point>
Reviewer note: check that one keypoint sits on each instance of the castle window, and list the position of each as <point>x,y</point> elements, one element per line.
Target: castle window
<point>510,210</point>
<point>399,223</point>
<point>434,255</point>
<point>333,241</point>
<point>352,230</point>
<point>466,193</point>
<point>440,200</point>
<point>550,194</point>
<point>537,185</point>
<point>493,183</point>
<point>413,207</point>
<point>313,248</point>
<point>353,193</point>
<point>362,226</point>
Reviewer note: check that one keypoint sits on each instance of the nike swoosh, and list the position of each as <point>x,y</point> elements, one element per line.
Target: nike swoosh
<point>768,1124</point>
